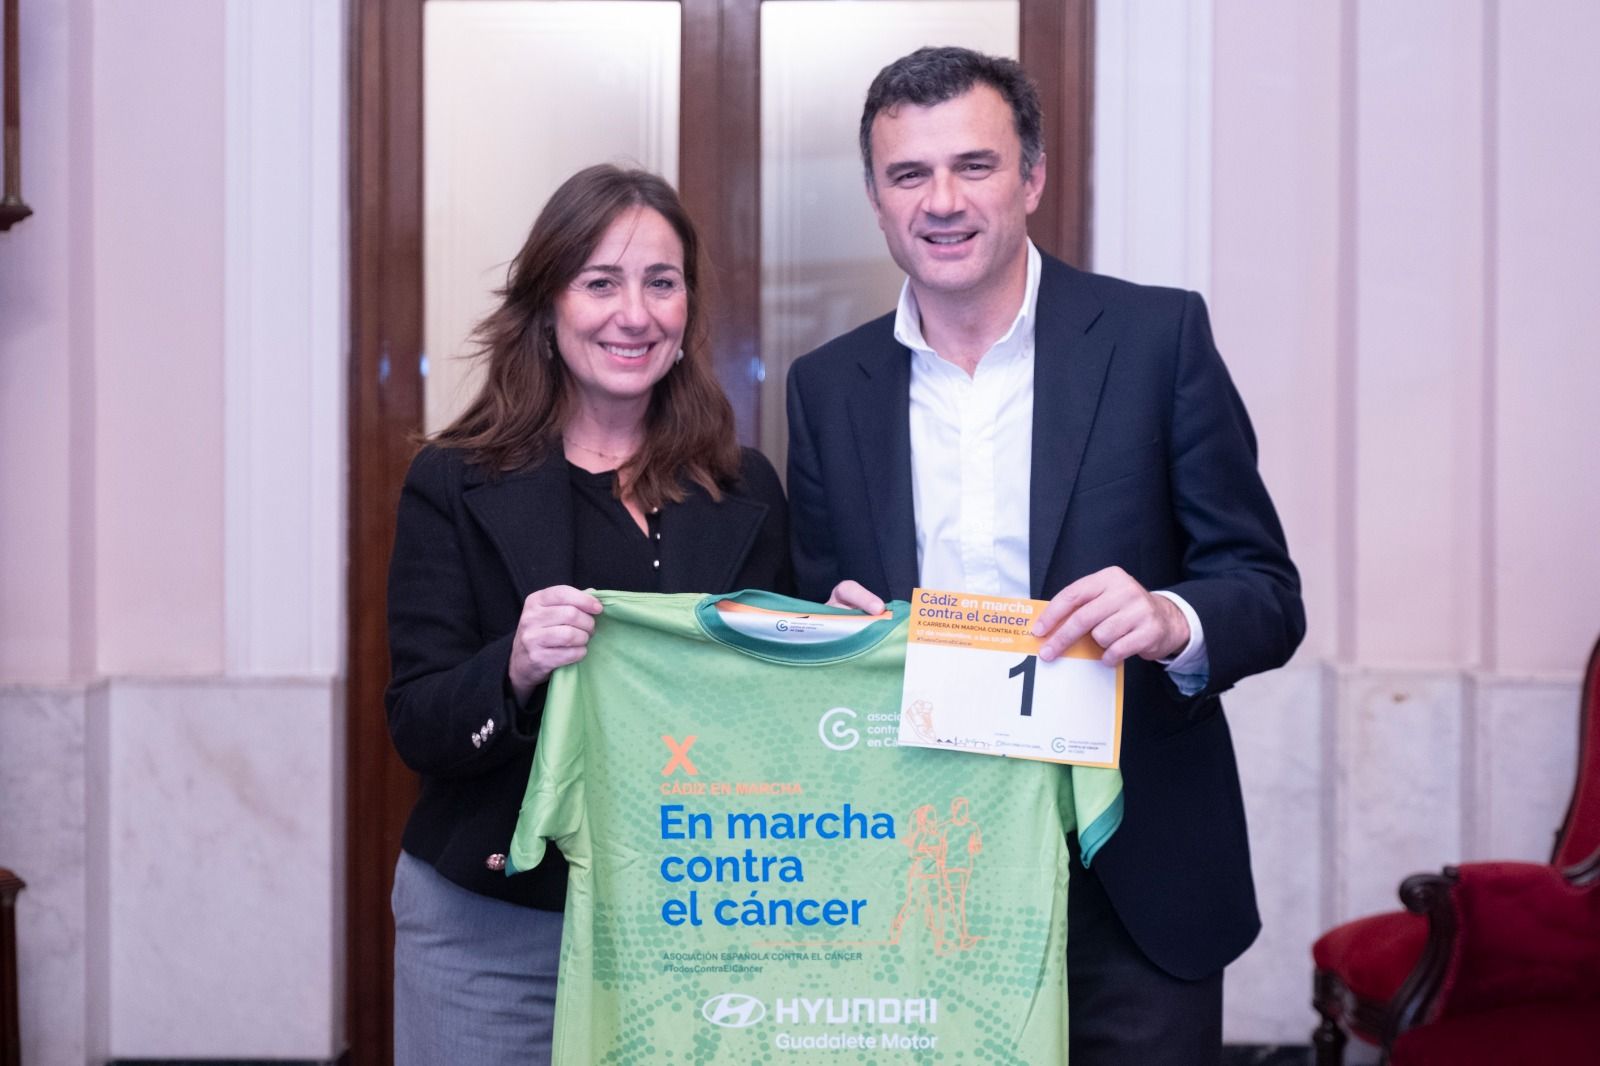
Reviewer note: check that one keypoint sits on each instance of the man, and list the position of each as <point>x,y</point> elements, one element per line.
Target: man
<point>1020,428</point>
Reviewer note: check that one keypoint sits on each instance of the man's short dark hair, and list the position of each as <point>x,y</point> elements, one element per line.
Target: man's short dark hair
<point>931,76</point>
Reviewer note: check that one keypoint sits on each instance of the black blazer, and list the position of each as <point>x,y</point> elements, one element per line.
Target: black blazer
<point>1143,457</point>
<point>467,552</point>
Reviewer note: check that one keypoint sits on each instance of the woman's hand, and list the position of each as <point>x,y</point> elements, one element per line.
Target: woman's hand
<point>553,631</point>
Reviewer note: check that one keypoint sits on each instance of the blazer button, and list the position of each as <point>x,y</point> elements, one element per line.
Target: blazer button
<point>496,862</point>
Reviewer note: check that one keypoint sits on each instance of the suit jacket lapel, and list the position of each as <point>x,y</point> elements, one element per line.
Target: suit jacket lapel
<point>1070,361</point>
<point>704,544</point>
<point>528,516</point>
<point>880,418</point>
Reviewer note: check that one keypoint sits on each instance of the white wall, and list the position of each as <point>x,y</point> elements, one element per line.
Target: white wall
<point>171,531</point>
<point>1399,250</point>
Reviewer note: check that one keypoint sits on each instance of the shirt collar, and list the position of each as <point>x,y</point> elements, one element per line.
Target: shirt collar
<point>908,318</point>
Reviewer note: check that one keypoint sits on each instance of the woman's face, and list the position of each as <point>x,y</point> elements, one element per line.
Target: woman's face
<point>620,322</point>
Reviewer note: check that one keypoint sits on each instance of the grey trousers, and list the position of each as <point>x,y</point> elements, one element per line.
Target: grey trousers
<point>474,977</point>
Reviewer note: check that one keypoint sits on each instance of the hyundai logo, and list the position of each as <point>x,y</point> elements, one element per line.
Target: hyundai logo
<point>733,1010</point>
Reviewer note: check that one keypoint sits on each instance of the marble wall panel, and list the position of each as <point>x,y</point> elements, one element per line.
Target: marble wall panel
<point>226,912</point>
<point>1278,721</point>
<point>43,839</point>
<point>1525,762</point>
<point>1399,776</point>
<point>97,893</point>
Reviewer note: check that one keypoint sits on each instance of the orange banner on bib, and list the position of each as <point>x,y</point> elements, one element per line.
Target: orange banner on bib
<point>989,623</point>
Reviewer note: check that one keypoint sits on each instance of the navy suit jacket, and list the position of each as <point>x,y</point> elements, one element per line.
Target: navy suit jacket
<point>1143,458</point>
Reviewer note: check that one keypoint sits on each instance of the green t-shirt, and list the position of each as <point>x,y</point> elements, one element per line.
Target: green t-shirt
<point>759,874</point>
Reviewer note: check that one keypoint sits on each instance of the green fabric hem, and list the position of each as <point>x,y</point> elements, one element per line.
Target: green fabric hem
<point>833,651</point>
<point>1093,836</point>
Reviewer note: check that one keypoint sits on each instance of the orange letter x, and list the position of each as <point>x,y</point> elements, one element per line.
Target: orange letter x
<point>680,755</point>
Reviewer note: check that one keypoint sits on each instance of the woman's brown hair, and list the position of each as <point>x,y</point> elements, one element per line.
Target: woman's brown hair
<point>517,417</point>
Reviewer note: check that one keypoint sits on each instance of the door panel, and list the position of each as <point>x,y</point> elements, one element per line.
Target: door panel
<point>495,149</point>
<point>824,268</point>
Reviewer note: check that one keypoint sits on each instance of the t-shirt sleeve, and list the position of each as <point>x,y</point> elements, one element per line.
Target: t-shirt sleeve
<point>553,805</point>
<point>1097,807</point>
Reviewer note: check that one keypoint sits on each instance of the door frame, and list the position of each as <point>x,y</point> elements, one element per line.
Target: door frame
<point>719,181</point>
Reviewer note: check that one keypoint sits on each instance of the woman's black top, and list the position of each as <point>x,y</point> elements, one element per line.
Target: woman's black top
<point>469,548</point>
<point>609,550</point>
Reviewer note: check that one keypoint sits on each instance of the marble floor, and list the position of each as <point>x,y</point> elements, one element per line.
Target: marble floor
<point>1233,1055</point>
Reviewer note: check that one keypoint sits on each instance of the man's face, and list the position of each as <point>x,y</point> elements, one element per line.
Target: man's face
<point>950,196</point>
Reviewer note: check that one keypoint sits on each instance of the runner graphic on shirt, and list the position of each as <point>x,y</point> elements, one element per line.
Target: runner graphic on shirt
<point>962,842</point>
<point>940,873</point>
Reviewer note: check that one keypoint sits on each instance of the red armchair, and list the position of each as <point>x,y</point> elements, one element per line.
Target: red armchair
<point>1491,962</point>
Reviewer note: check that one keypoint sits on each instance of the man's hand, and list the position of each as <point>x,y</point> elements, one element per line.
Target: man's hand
<point>1117,611</point>
<point>850,594</point>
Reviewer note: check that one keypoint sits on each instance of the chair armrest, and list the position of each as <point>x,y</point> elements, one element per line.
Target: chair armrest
<point>1432,896</point>
<point>1586,873</point>
<point>1501,934</point>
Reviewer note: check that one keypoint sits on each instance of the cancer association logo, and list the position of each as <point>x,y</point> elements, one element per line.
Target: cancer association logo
<point>733,1010</point>
<point>835,729</point>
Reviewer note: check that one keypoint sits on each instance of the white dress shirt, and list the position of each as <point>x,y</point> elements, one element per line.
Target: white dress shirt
<point>971,462</point>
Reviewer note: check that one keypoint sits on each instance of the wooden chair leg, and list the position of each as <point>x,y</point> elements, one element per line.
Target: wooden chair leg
<point>1328,1038</point>
<point>10,1036</point>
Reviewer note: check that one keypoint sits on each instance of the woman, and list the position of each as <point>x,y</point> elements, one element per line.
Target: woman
<point>600,453</point>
